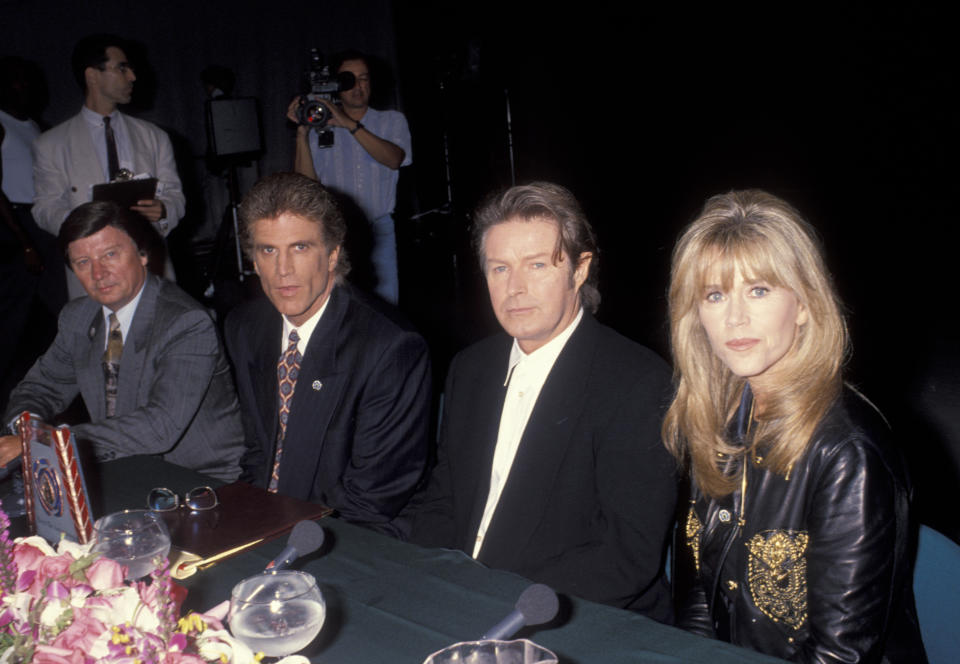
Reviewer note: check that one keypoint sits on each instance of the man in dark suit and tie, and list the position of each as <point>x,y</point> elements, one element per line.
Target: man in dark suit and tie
<point>143,355</point>
<point>335,392</point>
<point>550,463</point>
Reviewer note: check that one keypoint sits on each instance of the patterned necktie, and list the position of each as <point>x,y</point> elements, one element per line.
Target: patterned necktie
<point>287,369</point>
<point>111,364</point>
<point>113,162</point>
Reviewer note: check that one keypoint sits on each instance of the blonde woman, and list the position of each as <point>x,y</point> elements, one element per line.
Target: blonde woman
<point>796,533</point>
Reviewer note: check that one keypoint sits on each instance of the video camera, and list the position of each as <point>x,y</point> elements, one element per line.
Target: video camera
<point>311,112</point>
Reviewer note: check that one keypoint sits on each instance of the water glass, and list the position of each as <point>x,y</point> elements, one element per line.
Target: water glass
<point>136,538</point>
<point>277,613</point>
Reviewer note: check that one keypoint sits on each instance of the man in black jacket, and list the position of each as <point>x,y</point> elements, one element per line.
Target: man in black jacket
<point>550,463</point>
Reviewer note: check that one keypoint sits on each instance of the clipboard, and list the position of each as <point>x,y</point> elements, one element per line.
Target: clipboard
<point>55,490</point>
<point>126,193</point>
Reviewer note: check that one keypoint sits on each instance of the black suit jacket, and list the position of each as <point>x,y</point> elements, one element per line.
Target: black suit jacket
<point>591,494</point>
<point>357,433</point>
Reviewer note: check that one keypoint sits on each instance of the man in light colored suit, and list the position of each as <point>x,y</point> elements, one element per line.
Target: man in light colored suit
<point>77,154</point>
<point>143,355</point>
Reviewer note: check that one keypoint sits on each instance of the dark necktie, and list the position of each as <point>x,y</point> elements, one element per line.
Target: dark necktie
<point>111,364</point>
<point>113,162</point>
<point>287,370</point>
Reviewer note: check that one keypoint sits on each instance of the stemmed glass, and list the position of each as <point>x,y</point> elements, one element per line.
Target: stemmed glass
<point>277,613</point>
<point>136,538</point>
<point>520,651</point>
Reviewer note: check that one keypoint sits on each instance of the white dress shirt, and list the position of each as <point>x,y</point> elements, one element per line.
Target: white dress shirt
<point>526,375</point>
<point>304,331</point>
<point>99,138</point>
<point>124,314</point>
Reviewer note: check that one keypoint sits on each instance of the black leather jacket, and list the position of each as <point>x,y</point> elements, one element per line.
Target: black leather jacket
<point>816,568</point>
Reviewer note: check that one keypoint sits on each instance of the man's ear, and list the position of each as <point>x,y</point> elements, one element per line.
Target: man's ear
<point>583,268</point>
<point>89,77</point>
<point>333,259</point>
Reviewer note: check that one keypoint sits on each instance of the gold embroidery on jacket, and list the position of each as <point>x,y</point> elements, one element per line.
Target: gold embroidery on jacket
<point>694,528</point>
<point>777,575</point>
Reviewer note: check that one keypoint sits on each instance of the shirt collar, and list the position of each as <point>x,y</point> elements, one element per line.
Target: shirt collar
<point>95,119</point>
<point>304,331</point>
<point>547,354</point>
<point>125,313</point>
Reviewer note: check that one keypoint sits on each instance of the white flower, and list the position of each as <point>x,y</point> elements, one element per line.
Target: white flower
<point>51,613</point>
<point>294,659</point>
<point>73,548</point>
<point>215,644</point>
<point>38,542</point>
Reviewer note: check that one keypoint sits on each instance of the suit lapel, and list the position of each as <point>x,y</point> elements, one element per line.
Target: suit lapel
<point>262,367</point>
<point>315,398</point>
<point>83,158</point>
<point>140,152</point>
<point>90,378</point>
<point>484,425</point>
<point>135,347</point>
<point>548,434</point>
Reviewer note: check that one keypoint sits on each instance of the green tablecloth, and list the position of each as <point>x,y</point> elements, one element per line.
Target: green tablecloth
<point>390,602</point>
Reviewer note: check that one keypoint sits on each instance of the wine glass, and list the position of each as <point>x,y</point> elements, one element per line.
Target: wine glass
<point>136,538</point>
<point>520,651</point>
<point>277,613</point>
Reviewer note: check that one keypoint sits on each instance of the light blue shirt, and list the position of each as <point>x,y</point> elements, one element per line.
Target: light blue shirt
<point>348,168</point>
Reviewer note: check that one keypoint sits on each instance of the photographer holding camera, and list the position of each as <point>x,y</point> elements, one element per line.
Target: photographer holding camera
<point>368,148</point>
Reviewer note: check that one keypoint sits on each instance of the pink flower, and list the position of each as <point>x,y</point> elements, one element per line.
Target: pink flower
<point>148,593</point>
<point>25,582</point>
<point>56,567</point>
<point>105,573</point>
<point>36,571</point>
<point>81,633</point>
<point>27,556</point>
<point>57,590</point>
<point>178,641</point>
<point>53,655</point>
<point>183,658</point>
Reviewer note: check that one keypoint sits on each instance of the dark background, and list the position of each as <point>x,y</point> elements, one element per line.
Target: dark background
<point>643,112</point>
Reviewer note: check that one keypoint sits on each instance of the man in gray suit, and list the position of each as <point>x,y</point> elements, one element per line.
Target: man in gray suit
<point>100,143</point>
<point>143,355</point>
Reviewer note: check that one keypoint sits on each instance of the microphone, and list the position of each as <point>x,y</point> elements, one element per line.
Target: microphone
<point>305,538</point>
<point>537,604</point>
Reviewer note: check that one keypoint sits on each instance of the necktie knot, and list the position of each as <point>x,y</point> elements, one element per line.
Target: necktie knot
<point>114,341</point>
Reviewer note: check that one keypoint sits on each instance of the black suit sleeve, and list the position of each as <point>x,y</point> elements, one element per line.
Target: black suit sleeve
<point>390,435</point>
<point>253,461</point>
<point>434,524</point>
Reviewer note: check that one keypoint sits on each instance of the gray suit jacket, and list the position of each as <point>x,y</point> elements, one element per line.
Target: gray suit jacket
<point>175,395</point>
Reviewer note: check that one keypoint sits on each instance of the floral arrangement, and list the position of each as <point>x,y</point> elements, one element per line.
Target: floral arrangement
<point>72,606</point>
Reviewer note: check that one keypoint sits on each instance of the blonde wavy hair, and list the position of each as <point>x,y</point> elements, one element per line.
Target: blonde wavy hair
<point>767,240</point>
